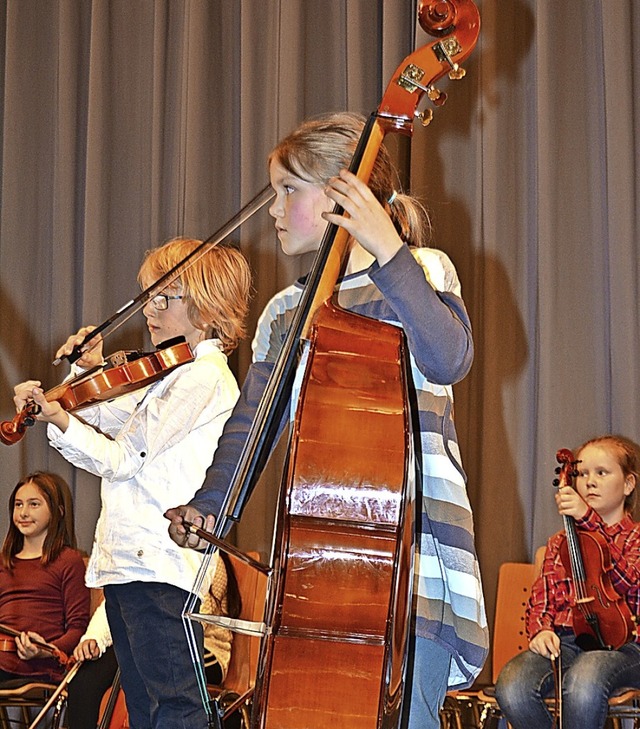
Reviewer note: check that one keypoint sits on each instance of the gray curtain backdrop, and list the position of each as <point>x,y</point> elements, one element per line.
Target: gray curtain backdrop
<point>127,122</point>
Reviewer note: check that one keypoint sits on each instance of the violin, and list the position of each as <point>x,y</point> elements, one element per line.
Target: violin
<point>129,371</point>
<point>601,617</point>
<point>56,653</point>
<point>113,709</point>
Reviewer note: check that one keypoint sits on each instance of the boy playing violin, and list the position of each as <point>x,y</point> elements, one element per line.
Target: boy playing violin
<point>151,448</point>
<point>607,474</point>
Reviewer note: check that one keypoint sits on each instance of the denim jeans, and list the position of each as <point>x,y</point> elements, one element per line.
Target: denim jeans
<point>427,678</point>
<point>158,676</point>
<point>589,678</point>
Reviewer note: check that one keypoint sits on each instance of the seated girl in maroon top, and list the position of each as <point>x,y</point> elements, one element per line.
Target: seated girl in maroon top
<point>42,590</point>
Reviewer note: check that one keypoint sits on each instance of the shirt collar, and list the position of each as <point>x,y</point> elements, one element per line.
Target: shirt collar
<point>206,346</point>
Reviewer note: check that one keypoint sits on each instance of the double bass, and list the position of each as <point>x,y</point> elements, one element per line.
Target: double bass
<point>335,637</point>
<point>113,710</point>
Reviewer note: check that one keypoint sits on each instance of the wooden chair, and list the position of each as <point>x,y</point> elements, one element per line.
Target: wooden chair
<point>17,705</point>
<point>237,689</point>
<point>509,633</point>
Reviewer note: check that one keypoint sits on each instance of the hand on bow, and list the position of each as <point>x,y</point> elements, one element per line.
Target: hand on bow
<point>545,643</point>
<point>86,650</point>
<point>180,533</point>
<point>27,646</point>
<point>91,357</point>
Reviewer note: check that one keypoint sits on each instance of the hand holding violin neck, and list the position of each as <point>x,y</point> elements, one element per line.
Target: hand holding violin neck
<point>59,655</point>
<point>11,431</point>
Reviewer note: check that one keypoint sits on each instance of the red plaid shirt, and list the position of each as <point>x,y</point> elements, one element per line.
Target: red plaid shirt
<point>552,595</point>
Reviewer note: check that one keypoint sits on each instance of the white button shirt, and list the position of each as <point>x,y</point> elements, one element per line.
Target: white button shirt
<point>151,448</point>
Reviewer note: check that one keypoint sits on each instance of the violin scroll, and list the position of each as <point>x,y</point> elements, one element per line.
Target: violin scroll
<point>11,431</point>
<point>567,471</point>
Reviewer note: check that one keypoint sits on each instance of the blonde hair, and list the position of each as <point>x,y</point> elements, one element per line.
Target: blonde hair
<point>216,288</point>
<point>627,453</point>
<point>319,148</point>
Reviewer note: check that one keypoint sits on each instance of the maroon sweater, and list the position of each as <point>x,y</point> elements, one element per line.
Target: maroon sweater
<point>50,600</point>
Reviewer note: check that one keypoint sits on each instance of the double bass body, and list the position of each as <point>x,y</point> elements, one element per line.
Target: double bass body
<point>344,548</point>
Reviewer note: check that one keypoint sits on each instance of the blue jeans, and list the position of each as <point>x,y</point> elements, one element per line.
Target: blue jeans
<point>589,678</point>
<point>158,677</point>
<point>427,678</point>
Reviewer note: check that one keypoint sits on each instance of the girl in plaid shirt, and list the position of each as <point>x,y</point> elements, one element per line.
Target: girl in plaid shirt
<point>602,503</point>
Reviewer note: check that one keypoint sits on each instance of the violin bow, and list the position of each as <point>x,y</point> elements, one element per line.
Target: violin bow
<point>557,684</point>
<point>125,312</point>
<point>63,684</point>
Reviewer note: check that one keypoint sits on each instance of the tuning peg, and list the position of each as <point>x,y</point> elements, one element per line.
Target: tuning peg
<point>425,117</point>
<point>436,96</point>
<point>557,469</point>
<point>457,72</point>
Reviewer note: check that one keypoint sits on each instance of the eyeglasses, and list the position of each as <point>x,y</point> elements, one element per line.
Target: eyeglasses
<point>161,301</point>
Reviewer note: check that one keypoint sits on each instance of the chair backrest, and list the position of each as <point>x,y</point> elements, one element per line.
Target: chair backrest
<point>509,634</point>
<point>245,649</point>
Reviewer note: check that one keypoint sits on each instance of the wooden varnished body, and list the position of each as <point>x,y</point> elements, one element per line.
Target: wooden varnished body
<point>339,618</point>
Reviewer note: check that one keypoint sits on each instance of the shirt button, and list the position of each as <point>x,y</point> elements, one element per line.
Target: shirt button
<point>140,552</point>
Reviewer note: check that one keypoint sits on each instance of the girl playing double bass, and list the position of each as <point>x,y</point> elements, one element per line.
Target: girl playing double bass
<point>390,276</point>
<point>602,503</point>
<point>151,449</point>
